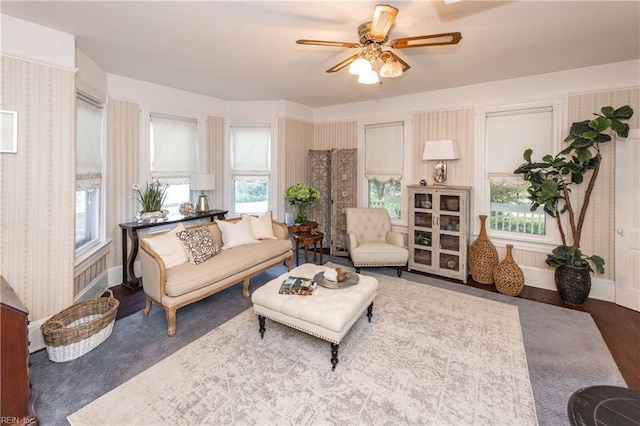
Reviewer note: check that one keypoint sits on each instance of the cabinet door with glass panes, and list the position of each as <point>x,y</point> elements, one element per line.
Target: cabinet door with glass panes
<point>439,230</point>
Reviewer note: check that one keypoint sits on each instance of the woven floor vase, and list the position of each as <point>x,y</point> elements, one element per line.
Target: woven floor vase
<point>483,256</point>
<point>508,275</point>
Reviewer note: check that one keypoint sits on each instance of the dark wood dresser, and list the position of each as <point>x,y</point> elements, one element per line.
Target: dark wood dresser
<point>16,396</point>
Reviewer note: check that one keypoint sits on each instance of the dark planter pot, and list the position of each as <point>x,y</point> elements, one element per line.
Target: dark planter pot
<point>573,284</point>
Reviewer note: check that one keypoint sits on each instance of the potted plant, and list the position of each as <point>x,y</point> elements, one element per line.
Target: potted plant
<point>551,181</point>
<point>151,199</point>
<point>301,195</point>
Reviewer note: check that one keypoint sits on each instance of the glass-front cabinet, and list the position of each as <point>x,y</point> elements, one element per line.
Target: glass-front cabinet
<point>439,230</point>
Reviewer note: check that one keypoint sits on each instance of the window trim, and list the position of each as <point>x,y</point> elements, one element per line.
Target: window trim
<point>482,194</point>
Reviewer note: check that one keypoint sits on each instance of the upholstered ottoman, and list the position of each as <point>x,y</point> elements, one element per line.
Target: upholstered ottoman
<point>327,313</point>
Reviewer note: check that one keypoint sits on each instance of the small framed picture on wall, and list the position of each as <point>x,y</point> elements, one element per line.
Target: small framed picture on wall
<point>8,131</point>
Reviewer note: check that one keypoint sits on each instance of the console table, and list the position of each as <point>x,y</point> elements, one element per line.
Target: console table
<point>130,232</point>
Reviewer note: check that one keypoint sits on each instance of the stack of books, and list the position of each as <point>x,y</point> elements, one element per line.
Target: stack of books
<point>298,285</point>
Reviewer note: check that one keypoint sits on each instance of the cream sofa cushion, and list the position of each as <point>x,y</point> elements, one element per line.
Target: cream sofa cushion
<point>169,247</point>
<point>261,226</point>
<point>236,234</point>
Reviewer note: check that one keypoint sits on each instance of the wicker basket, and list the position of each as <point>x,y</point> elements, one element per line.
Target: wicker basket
<point>79,328</point>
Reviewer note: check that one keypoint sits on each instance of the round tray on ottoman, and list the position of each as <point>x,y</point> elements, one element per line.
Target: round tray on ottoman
<point>352,278</point>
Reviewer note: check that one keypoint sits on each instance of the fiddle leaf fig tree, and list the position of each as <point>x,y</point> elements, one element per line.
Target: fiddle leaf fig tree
<point>553,177</point>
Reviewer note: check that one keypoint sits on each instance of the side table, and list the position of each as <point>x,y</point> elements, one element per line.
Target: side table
<point>130,232</point>
<point>307,238</point>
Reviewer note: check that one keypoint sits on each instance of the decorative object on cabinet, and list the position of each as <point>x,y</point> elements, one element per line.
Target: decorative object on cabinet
<point>79,328</point>
<point>186,209</point>
<point>440,150</point>
<point>553,178</point>
<point>439,230</point>
<point>17,398</point>
<point>423,182</point>
<point>508,275</point>
<point>333,173</point>
<point>483,256</point>
<point>203,183</point>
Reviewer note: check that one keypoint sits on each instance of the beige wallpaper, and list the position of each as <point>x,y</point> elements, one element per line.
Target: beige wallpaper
<point>458,125</point>
<point>123,170</point>
<point>341,135</point>
<point>215,157</point>
<point>38,186</point>
<point>297,138</point>
<point>599,229</point>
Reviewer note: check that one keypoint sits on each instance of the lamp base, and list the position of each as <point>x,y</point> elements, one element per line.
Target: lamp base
<point>440,173</point>
<point>202,204</point>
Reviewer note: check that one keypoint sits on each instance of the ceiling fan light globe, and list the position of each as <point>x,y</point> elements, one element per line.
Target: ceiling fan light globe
<point>369,77</point>
<point>360,66</point>
<point>391,68</point>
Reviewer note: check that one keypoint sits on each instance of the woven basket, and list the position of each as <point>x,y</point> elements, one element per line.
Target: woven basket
<point>508,275</point>
<point>483,256</point>
<point>79,328</point>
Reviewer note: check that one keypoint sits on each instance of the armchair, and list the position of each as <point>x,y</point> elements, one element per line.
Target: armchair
<point>372,242</point>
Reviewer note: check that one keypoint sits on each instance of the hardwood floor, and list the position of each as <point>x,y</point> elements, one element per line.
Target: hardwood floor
<point>620,327</point>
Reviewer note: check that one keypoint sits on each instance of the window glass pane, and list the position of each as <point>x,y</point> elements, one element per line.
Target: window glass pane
<point>387,196</point>
<point>250,194</point>
<point>176,195</point>
<point>87,216</point>
<point>511,210</point>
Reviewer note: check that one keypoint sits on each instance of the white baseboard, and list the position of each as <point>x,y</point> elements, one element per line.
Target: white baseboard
<point>115,273</point>
<point>36,340</point>
<point>600,289</point>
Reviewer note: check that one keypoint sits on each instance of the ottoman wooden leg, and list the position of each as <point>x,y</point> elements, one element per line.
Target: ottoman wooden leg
<point>370,311</point>
<point>262,328</point>
<point>334,356</point>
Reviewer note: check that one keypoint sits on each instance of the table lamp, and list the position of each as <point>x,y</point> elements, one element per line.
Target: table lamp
<point>202,183</point>
<point>440,150</point>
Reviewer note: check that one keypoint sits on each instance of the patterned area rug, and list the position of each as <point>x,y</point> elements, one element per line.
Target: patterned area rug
<point>429,356</point>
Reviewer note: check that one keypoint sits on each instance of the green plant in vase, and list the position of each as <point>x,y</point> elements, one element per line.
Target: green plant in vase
<point>551,181</point>
<point>152,197</point>
<point>301,195</point>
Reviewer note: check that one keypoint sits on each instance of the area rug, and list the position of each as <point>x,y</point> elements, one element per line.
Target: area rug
<point>429,356</point>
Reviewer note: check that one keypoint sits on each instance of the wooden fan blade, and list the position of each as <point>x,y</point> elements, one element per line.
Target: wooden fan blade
<point>328,43</point>
<point>405,66</point>
<point>383,18</point>
<point>427,40</point>
<point>344,63</point>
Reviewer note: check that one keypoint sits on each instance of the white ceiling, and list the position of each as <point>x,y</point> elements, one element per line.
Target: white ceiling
<point>241,50</point>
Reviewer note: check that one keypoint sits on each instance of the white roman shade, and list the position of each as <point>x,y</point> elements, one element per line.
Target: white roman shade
<point>173,148</point>
<point>509,134</point>
<point>250,149</point>
<point>384,152</point>
<point>88,144</point>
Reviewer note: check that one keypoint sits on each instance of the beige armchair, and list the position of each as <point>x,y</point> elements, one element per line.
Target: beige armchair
<point>371,240</point>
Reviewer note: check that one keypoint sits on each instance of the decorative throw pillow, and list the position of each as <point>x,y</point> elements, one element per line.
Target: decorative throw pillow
<point>261,227</point>
<point>199,244</point>
<point>236,234</point>
<point>169,248</point>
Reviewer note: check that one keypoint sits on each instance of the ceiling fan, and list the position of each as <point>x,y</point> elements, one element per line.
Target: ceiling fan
<point>373,42</point>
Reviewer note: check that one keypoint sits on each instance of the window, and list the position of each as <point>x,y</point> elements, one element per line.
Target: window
<point>173,156</point>
<point>508,135</point>
<point>384,166</point>
<point>88,171</point>
<point>250,168</point>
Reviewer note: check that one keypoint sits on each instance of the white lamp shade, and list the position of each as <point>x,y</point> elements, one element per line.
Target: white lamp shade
<point>359,66</point>
<point>369,77</point>
<point>203,182</point>
<point>391,68</point>
<point>444,149</point>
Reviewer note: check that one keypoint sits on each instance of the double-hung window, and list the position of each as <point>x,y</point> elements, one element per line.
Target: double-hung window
<point>383,151</point>
<point>173,156</point>
<point>250,167</point>
<point>89,145</point>
<point>508,134</point>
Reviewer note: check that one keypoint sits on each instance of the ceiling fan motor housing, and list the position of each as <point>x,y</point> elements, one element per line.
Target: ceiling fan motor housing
<point>364,31</point>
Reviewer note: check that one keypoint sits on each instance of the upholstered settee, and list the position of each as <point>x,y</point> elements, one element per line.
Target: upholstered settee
<point>371,241</point>
<point>176,272</point>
